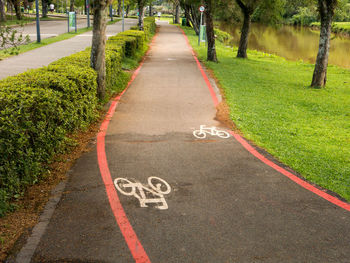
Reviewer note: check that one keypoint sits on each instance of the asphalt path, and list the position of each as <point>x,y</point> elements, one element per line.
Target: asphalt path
<point>45,55</point>
<point>50,28</point>
<point>224,205</point>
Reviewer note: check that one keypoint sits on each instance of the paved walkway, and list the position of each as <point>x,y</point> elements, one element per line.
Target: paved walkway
<point>224,205</point>
<point>43,56</point>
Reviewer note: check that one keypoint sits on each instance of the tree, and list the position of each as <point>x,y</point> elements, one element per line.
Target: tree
<point>45,4</point>
<point>119,10</point>
<point>192,13</point>
<point>326,9</point>
<point>71,7</point>
<point>141,5</point>
<point>2,11</point>
<point>247,7</point>
<point>211,52</point>
<point>17,5</point>
<point>97,58</point>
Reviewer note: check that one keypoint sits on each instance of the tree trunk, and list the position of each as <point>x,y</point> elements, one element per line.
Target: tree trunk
<point>211,53</point>
<point>194,17</point>
<point>150,9</point>
<point>17,5</point>
<point>326,9</point>
<point>2,12</point>
<point>119,10</point>
<point>140,4</point>
<point>127,10</point>
<point>44,5</point>
<point>71,7</point>
<point>177,14</point>
<point>187,16</point>
<point>98,61</point>
<point>243,43</point>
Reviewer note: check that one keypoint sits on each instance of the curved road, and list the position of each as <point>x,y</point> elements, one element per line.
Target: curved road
<point>224,205</point>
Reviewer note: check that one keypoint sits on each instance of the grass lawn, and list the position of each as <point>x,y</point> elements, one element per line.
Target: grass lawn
<point>272,104</point>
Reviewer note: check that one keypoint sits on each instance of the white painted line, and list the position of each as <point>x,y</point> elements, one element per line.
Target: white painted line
<point>203,131</point>
<point>155,191</point>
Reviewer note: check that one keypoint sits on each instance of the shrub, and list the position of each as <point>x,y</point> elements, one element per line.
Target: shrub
<point>149,26</point>
<point>130,44</point>
<point>40,107</point>
<point>139,35</point>
<point>31,131</point>
<point>222,36</point>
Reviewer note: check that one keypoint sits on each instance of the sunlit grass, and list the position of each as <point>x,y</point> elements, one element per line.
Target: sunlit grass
<point>272,104</point>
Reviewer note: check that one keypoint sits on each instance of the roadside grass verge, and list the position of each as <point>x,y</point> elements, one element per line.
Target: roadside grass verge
<point>47,41</point>
<point>272,104</point>
<point>12,20</point>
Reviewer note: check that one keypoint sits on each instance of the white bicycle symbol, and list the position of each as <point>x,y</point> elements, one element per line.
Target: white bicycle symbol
<point>203,131</point>
<point>157,188</point>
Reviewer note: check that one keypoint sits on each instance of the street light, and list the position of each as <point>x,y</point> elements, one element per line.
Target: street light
<point>88,12</point>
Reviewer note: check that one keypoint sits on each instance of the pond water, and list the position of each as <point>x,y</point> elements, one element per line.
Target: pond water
<point>293,43</point>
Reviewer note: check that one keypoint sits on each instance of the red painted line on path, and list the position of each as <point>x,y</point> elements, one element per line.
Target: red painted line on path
<point>262,158</point>
<point>135,246</point>
<point>211,90</point>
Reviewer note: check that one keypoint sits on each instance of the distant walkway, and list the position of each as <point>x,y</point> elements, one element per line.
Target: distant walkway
<point>43,56</point>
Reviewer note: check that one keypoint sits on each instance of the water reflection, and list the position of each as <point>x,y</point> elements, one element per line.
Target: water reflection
<point>293,43</point>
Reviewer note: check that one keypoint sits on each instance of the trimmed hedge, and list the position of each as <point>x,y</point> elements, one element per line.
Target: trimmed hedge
<point>129,43</point>
<point>139,35</point>
<point>40,107</point>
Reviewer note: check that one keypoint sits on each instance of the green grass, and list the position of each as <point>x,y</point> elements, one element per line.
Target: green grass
<point>47,41</point>
<point>272,104</point>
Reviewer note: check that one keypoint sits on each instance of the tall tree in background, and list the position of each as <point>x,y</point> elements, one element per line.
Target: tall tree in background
<point>141,5</point>
<point>247,7</point>
<point>45,4</point>
<point>192,13</point>
<point>17,5</point>
<point>211,52</point>
<point>326,9</point>
<point>150,8</point>
<point>177,11</point>
<point>119,10</point>
<point>97,59</point>
<point>71,7</point>
<point>2,11</point>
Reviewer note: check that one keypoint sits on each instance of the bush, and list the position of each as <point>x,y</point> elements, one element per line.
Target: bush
<point>304,17</point>
<point>139,35</point>
<point>31,131</point>
<point>129,42</point>
<point>222,36</point>
<point>149,26</point>
<point>40,107</point>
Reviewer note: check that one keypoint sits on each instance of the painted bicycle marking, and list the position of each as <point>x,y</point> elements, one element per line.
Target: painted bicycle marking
<point>203,131</point>
<point>153,194</point>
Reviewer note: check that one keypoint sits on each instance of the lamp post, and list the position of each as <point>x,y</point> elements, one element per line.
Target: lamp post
<point>88,12</point>
<point>37,22</point>
<point>123,18</point>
